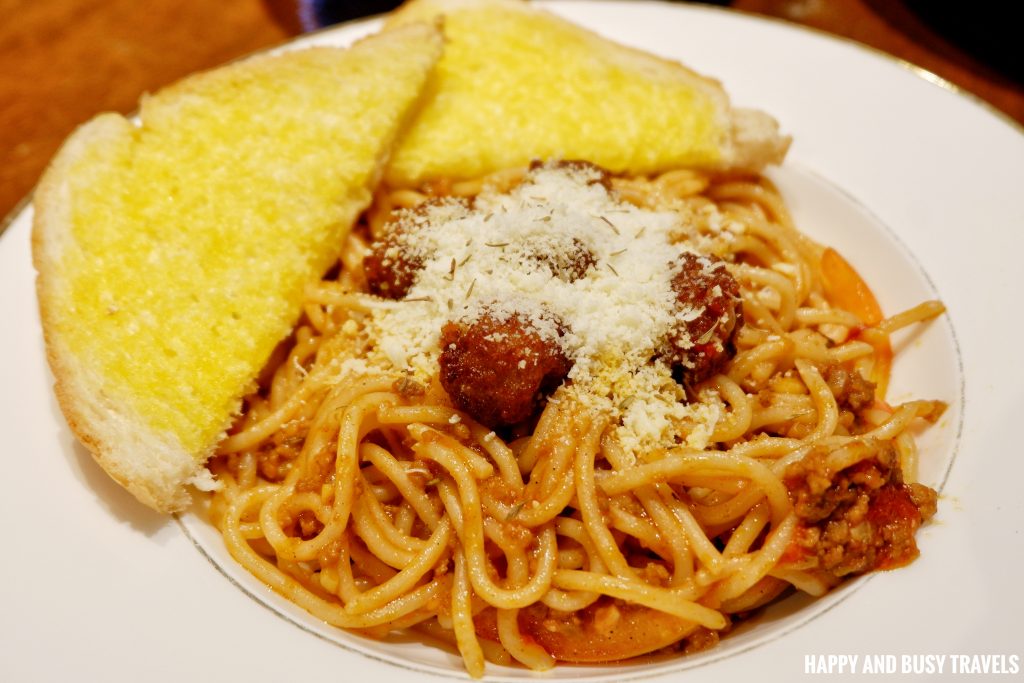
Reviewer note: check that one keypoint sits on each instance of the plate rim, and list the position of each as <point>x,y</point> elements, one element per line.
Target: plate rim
<point>24,205</point>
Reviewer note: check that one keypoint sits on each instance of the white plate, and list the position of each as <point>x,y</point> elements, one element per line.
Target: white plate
<point>917,185</point>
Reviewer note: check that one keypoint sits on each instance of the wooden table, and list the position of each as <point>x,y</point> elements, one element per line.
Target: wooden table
<point>62,61</point>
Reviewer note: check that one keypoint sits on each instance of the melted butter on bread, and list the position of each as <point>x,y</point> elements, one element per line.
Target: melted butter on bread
<point>173,253</point>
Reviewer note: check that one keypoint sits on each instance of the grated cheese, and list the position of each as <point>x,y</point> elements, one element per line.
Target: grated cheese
<point>509,254</point>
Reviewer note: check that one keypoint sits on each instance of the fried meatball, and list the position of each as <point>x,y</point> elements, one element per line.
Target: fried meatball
<point>499,368</point>
<point>396,258</point>
<point>568,263</point>
<point>709,314</point>
<point>391,266</point>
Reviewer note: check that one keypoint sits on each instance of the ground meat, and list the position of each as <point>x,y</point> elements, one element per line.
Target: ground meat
<point>851,390</point>
<point>272,462</point>
<point>499,368</point>
<point>709,315</point>
<point>859,519</point>
<point>307,525</point>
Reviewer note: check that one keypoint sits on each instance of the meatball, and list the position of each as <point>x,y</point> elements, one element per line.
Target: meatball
<point>709,315</point>
<point>499,368</point>
<point>568,263</point>
<point>391,266</point>
<point>396,258</point>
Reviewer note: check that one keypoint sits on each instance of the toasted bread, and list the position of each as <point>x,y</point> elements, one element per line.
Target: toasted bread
<point>172,253</point>
<point>517,83</point>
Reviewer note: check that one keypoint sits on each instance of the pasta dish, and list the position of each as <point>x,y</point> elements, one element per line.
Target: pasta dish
<point>556,415</point>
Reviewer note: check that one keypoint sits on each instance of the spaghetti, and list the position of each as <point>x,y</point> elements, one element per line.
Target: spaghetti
<point>650,498</point>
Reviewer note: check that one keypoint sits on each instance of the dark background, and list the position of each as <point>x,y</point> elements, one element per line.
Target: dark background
<point>984,29</point>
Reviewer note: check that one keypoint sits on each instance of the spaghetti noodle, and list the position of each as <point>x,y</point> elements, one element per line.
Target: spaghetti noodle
<point>638,508</point>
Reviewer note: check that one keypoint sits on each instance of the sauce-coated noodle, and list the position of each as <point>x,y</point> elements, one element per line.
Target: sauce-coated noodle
<point>369,500</point>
